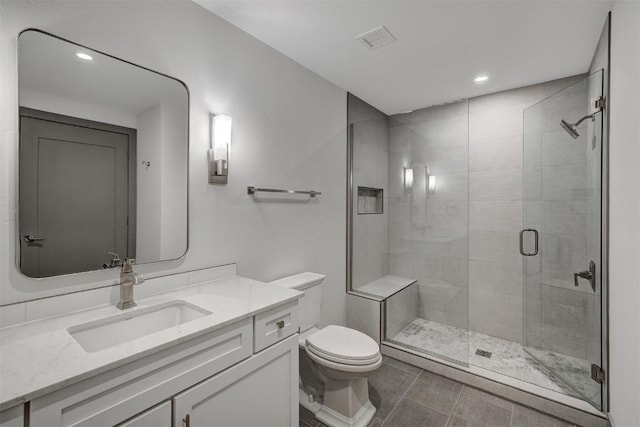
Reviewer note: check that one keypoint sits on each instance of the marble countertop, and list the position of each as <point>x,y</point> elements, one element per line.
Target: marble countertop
<point>39,357</point>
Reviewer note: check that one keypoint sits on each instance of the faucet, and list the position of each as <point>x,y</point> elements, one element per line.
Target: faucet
<point>127,279</point>
<point>114,262</point>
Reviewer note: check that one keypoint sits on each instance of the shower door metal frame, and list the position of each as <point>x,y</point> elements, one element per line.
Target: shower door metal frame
<point>349,204</point>
<point>604,218</point>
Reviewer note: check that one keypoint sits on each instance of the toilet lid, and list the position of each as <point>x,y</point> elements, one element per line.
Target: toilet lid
<point>344,344</point>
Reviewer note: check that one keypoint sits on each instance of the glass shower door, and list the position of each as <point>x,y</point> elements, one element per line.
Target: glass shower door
<point>429,231</point>
<point>561,238</point>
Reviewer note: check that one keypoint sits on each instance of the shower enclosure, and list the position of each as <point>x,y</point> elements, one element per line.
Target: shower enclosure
<point>477,225</point>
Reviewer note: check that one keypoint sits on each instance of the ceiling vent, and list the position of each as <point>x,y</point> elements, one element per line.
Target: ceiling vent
<point>377,37</point>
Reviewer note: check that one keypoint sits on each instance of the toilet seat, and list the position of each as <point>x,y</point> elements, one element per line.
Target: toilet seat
<point>343,346</point>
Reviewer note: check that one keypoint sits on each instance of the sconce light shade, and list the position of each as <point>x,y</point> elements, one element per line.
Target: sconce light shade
<point>220,131</point>
<point>408,178</point>
<point>432,184</point>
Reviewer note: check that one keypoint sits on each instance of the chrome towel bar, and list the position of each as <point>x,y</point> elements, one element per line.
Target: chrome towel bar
<point>251,190</point>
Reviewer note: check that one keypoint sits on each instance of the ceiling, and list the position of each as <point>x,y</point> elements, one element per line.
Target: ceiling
<point>441,45</point>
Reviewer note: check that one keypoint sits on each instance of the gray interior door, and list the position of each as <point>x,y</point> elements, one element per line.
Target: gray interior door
<point>74,197</point>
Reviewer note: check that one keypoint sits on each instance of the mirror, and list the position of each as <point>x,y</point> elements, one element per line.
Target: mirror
<point>103,160</point>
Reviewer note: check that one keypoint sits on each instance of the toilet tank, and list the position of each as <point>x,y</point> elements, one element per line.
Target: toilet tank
<point>310,305</point>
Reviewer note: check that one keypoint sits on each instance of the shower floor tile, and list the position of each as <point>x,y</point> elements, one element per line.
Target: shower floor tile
<point>507,357</point>
<point>576,372</point>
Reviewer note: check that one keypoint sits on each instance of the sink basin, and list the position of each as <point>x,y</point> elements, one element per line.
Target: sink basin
<point>104,333</point>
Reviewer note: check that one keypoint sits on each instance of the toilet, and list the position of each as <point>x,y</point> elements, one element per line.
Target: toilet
<point>334,361</point>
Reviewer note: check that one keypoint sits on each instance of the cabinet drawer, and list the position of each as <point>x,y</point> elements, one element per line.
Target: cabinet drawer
<point>274,325</point>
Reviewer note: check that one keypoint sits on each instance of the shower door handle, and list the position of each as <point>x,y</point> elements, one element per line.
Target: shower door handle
<point>535,247</point>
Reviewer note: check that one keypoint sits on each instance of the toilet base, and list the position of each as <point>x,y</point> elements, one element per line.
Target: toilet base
<point>334,419</point>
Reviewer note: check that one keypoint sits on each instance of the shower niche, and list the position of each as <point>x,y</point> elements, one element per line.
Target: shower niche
<point>370,200</point>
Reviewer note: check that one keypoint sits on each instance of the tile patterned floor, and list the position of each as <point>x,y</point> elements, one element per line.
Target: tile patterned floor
<point>507,358</point>
<point>575,372</point>
<point>407,396</point>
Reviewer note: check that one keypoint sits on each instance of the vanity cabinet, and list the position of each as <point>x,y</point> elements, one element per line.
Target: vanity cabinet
<point>261,391</point>
<point>12,417</point>
<point>225,375</point>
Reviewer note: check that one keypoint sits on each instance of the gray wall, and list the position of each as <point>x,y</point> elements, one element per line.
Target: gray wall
<point>624,207</point>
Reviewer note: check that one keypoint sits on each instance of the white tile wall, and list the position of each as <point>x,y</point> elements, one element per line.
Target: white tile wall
<point>363,315</point>
<point>401,309</point>
<point>428,232</point>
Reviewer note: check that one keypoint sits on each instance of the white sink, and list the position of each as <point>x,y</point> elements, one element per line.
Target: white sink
<point>104,333</point>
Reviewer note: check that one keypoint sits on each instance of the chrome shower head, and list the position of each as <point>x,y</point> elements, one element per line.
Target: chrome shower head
<point>571,129</point>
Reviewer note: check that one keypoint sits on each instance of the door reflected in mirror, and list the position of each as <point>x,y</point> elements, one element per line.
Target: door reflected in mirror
<point>103,160</point>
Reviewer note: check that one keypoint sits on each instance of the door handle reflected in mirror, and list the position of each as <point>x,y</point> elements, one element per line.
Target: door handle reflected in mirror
<point>30,238</point>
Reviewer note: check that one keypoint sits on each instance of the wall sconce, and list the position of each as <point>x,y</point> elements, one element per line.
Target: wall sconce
<point>432,184</point>
<point>408,178</point>
<point>220,133</point>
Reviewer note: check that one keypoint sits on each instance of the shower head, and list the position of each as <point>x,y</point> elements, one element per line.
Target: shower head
<point>571,129</point>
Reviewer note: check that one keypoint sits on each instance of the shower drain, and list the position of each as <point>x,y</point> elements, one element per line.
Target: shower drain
<point>483,353</point>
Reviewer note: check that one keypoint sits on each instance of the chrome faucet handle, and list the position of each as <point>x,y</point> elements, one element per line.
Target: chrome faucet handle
<point>127,279</point>
<point>127,268</point>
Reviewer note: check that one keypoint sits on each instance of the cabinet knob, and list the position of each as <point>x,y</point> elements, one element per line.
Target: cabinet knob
<point>280,324</point>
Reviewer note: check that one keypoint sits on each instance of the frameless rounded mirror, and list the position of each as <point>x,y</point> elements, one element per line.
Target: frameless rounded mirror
<point>103,160</point>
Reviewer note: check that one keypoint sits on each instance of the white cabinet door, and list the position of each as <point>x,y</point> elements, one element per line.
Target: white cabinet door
<point>261,391</point>
<point>158,416</point>
<point>12,417</point>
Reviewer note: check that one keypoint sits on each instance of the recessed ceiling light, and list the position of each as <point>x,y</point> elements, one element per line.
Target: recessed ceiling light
<point>482,78</point>
<point>84,56</point>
